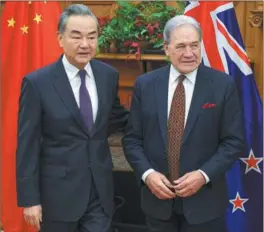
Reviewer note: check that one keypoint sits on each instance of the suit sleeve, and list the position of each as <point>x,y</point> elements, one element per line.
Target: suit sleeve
<point>133,139</point>
<point>232,140</point>
<point>119,115</point>
<point>28,146</point>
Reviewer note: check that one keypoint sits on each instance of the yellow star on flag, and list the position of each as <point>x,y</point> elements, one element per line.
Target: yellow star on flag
<point>24,29</point>
<point>11,22</point>
<point>38,18</point>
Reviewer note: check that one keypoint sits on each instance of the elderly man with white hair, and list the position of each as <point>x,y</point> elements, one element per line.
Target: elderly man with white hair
<point>185,131</point>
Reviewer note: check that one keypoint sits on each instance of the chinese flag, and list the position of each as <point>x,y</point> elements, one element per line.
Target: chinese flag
<point>28,42</point>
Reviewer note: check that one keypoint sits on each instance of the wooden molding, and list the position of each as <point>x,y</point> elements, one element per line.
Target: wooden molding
<point>147,57</point>
<point>116,56</point>
<point>91,2</point>
<point>256,17</point>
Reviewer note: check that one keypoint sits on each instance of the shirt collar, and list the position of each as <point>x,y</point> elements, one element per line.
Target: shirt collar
<point>174,74</point>
<point>72,71</point>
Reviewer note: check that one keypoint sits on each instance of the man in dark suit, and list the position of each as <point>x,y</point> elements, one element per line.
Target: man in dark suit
<point>67,110</point>
<point>184,132</point>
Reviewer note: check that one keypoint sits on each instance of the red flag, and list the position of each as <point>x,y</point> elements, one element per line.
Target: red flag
<point>28,42</point>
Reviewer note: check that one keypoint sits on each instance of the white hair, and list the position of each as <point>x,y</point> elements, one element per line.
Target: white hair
<point>178,21</point>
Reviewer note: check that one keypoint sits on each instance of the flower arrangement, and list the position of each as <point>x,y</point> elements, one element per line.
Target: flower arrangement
<point>136,26</point>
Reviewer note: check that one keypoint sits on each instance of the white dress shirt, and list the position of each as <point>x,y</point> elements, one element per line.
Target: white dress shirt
<point>188,83</point>
<point>75,82</point>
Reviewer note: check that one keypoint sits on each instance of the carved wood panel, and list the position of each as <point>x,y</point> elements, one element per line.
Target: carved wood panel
<point>253,37</point>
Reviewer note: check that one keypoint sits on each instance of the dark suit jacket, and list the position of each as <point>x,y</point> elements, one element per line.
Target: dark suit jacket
<point>213,139</point>
<point>56,156</point>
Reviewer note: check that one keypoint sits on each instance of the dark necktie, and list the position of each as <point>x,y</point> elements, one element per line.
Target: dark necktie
<point>176,129</point>
<point>85,102</point>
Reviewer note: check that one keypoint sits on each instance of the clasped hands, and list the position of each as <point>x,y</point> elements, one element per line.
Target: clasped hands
<point>185,186</point>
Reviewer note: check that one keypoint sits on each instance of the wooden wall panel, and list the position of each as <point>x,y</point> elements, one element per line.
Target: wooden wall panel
<point>125,95</point>
<point>241,8</point>
<point>100,8</point>
<point>253,37</point>
<point>256,21</point>
<point>250,39</point>
<point>128,71</point>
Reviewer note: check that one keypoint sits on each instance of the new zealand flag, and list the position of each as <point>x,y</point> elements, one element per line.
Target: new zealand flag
<point>223,49</point>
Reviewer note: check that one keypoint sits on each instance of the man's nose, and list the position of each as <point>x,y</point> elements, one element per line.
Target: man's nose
<point>84,42</point>
<point>188,51</point>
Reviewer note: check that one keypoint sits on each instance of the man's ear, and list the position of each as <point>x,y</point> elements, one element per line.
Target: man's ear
<point>59,38</point>
<point>165,46</point>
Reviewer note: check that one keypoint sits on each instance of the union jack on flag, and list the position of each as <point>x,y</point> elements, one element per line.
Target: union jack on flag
<point>223,49</point>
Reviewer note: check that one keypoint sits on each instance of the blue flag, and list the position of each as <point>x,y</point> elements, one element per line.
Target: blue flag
<point>223,49</point>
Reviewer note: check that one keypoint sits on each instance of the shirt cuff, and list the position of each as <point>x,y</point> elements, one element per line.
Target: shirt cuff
<point>146,173</point>
<point>207,180</point>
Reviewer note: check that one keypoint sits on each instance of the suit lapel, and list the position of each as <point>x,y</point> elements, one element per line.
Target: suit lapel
<point>101,85</point>
<point>63,87</point>
<point>161,95</point>
<point>198,98</point>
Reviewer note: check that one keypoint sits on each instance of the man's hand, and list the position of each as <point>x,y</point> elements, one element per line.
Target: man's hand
<point>160,185</point>
<point>189,184</point>
<point>33,215</point>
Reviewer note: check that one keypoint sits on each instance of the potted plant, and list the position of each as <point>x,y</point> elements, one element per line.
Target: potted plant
<point>107,38</point>
<point>138,26</point>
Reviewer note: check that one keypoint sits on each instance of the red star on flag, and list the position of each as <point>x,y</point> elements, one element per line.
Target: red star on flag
<point>238,203</point>
<point>252,162</point>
